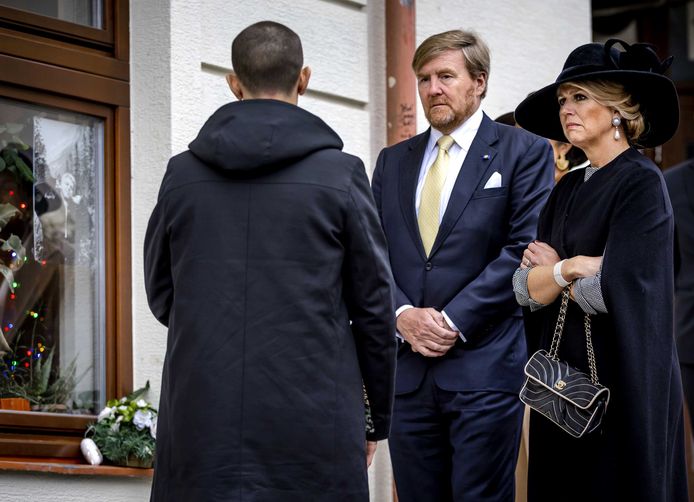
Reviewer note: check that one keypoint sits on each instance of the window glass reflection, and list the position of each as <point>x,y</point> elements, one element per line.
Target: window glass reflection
<point>86,12</point>
<point>51,258</point>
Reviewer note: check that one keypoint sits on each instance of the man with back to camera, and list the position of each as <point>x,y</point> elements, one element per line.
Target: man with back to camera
<point>458,204</point>
<point>265,258</point>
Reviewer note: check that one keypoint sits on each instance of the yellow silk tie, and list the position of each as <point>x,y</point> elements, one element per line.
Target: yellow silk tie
<point>430,204</point>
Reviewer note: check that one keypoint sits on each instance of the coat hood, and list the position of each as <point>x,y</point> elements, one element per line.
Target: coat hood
<point>246,135</point>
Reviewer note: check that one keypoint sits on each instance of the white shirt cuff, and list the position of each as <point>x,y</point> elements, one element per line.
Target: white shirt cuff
<point>402,309</point>
<point>453,326</point>
<point>399,311</point>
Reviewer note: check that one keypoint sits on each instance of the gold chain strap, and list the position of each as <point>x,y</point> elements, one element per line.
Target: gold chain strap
<point>559,329</point>
<point>591,352</point>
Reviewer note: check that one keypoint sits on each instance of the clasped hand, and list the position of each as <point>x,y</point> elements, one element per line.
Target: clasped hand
<point>539,254</point>
<point>542,286</point>
<point>427,331</point>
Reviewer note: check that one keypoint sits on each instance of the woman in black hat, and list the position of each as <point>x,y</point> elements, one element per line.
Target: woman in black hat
<point>607,232</point>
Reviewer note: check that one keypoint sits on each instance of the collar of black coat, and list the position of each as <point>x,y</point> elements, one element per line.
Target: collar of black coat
<point>261,133</point>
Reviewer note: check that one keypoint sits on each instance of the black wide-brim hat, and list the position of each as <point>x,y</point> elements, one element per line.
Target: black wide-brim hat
<point>638,68</point>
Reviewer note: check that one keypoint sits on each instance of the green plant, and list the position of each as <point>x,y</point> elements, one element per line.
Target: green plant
<point>126,429</point>
<point>28,372</point>
<point>12,145</point>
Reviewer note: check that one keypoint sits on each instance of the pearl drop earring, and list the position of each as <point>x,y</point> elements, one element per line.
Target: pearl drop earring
<point>616,122</point>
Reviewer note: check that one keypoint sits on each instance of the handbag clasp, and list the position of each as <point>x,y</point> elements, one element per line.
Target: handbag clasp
<point>560,385</point>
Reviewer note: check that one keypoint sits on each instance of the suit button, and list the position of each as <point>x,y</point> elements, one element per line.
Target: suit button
<point>428,266</point>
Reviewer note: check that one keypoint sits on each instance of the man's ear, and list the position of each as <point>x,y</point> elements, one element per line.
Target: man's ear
<point>235,85</point>
<point>304,77</point>
<point>481,81</point>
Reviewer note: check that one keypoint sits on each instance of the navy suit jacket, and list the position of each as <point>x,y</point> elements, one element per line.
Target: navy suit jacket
<point>478,247</point>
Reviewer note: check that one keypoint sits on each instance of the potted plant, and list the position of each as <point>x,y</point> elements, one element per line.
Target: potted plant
<point>28,380</point>
<point>125,430</point>
<point>14,403</point>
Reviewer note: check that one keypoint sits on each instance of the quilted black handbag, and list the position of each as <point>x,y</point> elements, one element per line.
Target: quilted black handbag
<point>574,401</point>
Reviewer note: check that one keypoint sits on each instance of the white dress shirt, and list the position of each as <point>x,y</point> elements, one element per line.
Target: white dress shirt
<point>463,136</point>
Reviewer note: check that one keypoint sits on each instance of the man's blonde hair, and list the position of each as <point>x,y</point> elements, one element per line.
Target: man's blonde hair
<point>475,51</point>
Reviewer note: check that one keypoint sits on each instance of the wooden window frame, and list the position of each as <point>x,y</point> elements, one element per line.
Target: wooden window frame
<point>57,64</point>
<point>52,27</point>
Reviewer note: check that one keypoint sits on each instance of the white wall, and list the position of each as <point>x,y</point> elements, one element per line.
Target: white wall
<point>335,37</point>
<point>180,51</point>
<point>34,487</point>
<point>151,139</point>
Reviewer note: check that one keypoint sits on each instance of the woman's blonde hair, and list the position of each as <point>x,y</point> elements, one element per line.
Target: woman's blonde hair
<point>613,95</point>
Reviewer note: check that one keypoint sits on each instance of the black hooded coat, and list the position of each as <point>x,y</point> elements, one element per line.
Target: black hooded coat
<point>265,258</point>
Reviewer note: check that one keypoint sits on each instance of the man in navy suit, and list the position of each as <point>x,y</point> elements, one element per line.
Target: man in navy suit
<point>457,417</point>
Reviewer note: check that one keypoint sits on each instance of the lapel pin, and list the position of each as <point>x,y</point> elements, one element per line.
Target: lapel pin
<point>485,156</point>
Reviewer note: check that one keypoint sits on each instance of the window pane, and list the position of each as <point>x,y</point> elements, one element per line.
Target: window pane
<point>51,258</point>
<point>86,12</point>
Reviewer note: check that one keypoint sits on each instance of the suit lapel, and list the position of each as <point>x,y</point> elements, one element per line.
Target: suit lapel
<point>409,175</point>
<point>476,164</point>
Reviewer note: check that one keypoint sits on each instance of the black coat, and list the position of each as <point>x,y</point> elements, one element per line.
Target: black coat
<point>624,212</point>
<point>265,258</point>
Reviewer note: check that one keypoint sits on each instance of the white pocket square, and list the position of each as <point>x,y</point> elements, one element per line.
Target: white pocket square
<point>494,181</point>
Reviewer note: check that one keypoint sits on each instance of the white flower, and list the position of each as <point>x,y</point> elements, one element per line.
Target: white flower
<point>141,403</point>
<point>116,426</point>
<point>122,408</point>
<point>142,419</point>
<point>104,414</point>
<point>153,428</point>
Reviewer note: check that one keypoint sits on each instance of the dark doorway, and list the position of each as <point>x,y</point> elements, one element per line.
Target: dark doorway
<point>669,25</point>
